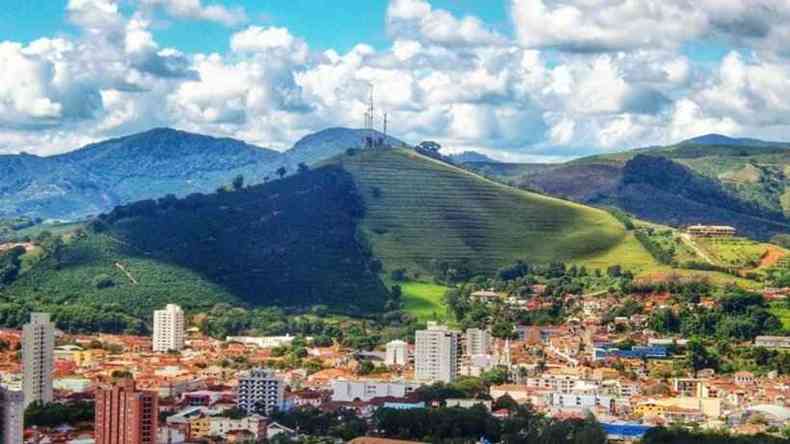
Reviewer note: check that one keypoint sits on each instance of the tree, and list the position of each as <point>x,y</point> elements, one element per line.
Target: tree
<point>698,357</point>
<point>238,182</point>
<point>281,172</point>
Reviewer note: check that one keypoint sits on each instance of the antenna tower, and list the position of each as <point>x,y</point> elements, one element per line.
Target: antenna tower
<point>370,113</point>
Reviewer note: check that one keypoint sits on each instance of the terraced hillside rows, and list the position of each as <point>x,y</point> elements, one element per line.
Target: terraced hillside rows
<point>421,212</point>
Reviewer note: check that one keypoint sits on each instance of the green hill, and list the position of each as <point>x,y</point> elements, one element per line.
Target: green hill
<point>291,243</point>
<point>319,237</point>
<point>423,214</point>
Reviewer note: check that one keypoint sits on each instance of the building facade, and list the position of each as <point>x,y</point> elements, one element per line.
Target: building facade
<point>169,329</point>
<point>477,342</point>
<point>260,391</point>
<point>12,412</point>
<point>125,415</point>
<point>38,344</point>
<point>397,353</point>
<point>436,354</point>
<point>343,390</point>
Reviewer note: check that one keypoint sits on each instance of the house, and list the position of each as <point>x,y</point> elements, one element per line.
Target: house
<point>468,403</point>
<point>711,231</point>
<point>772,341</point>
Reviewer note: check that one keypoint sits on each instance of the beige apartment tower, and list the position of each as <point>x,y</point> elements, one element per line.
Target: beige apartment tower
<point>38,344</point>
<point>436,353</point>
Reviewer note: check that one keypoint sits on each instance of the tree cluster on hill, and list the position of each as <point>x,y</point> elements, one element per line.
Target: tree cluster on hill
<point>740,315</point>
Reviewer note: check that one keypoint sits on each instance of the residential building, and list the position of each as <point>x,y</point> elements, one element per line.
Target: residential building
<point>125,415</point>
<point>343,390</point>
<point>260,391</point>
<point>468,403</point>
<point>477,341</point>
<point>436,354</point>
<point>38,344</point>
<point>581,401</point>
<point>711,231</point>
<point>397,353</point>
<point>772,341</point>
<point>12,408</point>
<point>263,341</point>
<point>169,329</point>
<point>221,426</point>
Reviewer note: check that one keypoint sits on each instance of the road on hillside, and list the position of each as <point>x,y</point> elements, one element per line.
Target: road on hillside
<point>688,241</point>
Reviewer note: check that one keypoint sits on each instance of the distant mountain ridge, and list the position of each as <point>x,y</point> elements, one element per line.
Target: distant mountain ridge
<point>96,178</point>
<point>720,139</point>
<point>708,179</point>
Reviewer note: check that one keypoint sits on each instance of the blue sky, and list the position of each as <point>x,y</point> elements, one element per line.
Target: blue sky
<point>516,79</point>
<point>323,23</point>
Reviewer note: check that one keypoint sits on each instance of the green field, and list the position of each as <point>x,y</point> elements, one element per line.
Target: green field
<point>782,311</point>
<point>424,300</point>
<point>734,252</point>
<point>420,211</point>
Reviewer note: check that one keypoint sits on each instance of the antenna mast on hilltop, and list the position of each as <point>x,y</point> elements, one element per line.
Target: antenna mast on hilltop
<point>385,126</point>
<point>371,112</point>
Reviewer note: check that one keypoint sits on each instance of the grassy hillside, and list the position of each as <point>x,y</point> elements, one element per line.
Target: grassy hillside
<point>290,243</point>
<point>423,214</point>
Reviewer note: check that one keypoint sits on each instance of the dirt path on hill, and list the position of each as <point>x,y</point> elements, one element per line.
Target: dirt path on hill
<point>126,272</point>
<point>688,241</point>
<point>771,257</point>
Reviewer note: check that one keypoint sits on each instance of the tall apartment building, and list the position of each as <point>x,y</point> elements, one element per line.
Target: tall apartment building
<point>436,354</point>
<point>260,391</point>
<point>38,345</point>
<point>125,415</point>
<point>169,329</point>
<point>12,409</point>
<point>397,353</point>
<point>477,342</point>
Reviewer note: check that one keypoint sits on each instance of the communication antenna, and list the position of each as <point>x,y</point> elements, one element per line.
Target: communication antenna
<point>370,113</point>
<point>385,126</point>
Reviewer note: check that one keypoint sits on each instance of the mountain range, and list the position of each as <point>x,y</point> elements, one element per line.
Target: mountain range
<point>96,178</point>
<point>711,179</point>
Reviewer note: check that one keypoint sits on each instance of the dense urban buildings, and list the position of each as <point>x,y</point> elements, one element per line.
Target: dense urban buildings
<point>38,343</point>
<point>169,329</point>
<point>436,354</point>
<point>125,415</point>
<point>11,415</point>
<point>260,391</point>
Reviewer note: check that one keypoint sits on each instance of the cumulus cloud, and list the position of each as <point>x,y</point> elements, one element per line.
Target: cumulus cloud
<point>195,9</point>
<point>437,26</point>
<point>575,76</point>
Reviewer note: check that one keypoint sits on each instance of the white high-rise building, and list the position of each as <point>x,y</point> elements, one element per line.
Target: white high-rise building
<point>260,391</point>
<point>38,345</point>
<point>12,412</point>
<point>477,342</point>
<point>397,353</point>
<point>169,329</point>
<point>436,354</point>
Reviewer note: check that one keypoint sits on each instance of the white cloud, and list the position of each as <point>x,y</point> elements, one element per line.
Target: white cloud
<point>417,19</point>
<point>447,78</point>
<point>195,9</point>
